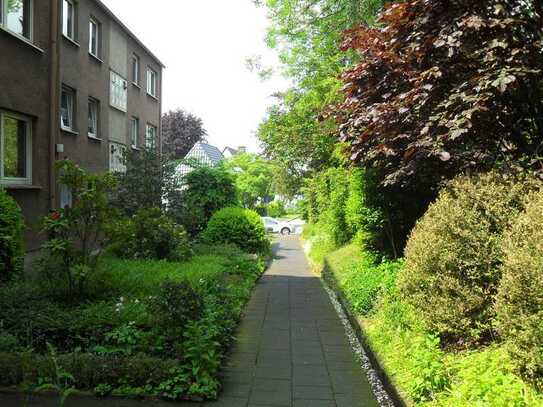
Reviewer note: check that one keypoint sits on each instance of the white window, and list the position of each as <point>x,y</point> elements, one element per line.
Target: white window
<point>135,131</point>
<point>67,108</point>
<point>15,149</point>
<point>93,118</point>
<point>68,19</point>
<point>94,37</point>
<point>135,69</point>
<point>150,137</point>
<point>117,157</point>
<point>16,16</point>
<point>151,82</point>
<point>118,91</point>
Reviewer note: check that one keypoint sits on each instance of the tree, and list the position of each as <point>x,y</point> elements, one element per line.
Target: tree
<point>307,35</point>
<point>180,131</point>
<point>448,86</point>
<point>205,191</point>
<point>253,176</point>
<point>149,182</point>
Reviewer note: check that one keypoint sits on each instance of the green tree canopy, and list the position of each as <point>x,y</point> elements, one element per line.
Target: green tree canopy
<point>254,178</point>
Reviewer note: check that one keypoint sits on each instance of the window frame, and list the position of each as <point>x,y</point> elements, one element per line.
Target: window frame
<point>71,113</point>
<point>96,23</point>
<point>152,82</point>
<point>112,97</point>
<point>153,145</point>
<point>70,35</point>
<point>121,167</point>
<point>134,135</point>
<point>29,24</point>
<point>136,68</point>
<point>28,150</point>
<point>96,103</point>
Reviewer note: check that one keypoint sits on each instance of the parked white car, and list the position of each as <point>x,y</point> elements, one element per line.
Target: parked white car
<point>285,227</point>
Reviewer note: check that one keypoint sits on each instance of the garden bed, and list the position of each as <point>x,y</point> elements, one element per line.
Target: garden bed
<point>144,328</point>
<point>413,362</point>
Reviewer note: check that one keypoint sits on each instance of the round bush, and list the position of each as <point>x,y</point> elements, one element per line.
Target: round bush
<point>11,237</point>
<point>150,235</point>
<point>519,304</point>
<point>454,254</point>
<point>238,226</point>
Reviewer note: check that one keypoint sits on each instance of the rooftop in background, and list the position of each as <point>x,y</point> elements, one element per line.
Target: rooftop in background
<point>204,154</point>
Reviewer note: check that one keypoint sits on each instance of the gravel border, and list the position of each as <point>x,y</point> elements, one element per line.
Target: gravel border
<point>382,396</point>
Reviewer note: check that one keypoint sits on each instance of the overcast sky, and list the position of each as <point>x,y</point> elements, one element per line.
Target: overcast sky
<point>204,44</point>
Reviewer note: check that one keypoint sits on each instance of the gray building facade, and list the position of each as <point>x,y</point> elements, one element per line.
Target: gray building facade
<point>74,83</point>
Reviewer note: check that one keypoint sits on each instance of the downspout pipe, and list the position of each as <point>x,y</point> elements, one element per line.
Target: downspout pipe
<point>54,74</point>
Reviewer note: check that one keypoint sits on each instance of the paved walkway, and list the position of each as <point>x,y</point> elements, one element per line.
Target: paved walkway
<point>292,349</point>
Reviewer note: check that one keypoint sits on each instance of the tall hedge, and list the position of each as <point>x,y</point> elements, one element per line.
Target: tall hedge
<point>519,304</point>
<point>11,237</point>
<point>454,255</point>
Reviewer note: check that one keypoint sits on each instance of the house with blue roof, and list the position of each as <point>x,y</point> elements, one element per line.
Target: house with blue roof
<point>203,154</point>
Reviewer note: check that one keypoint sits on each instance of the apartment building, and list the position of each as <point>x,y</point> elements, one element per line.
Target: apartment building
<point>74,83</point>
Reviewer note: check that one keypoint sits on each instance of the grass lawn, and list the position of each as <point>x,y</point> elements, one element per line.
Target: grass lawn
<point>142,327</point>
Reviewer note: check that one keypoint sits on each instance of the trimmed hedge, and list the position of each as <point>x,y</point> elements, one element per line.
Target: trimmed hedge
<point>238,226</point>
<point>519,304</point>
<point>454,255</point>
<point>11,237</point>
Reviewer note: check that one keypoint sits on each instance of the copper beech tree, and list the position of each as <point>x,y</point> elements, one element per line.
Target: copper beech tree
<point>445,86</point>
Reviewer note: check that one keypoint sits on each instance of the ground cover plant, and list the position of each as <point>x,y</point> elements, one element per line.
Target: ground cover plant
<point>144,327</point>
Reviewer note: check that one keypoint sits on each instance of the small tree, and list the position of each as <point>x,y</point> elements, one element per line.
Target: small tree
<point>149,182</point>
<point>75,233</point>
<point>205,191</point>
<point>11,237</point>
<point>180,131</point>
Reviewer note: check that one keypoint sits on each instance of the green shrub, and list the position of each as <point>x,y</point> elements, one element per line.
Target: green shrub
<point>276,209</point>
<point>453,256</point>
<point>519,303</point>
<point>11,237</point>
<point>238,226</point>
<point>150,235</point>
<point>206,190</point>
<point>176,304</point>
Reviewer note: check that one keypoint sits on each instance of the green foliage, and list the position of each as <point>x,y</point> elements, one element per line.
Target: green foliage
<point>454,255</point>
<point>176,304</point>
<point>519,303</point>
<point>306,35</point>
<point>206,190</point>
<point>145,328</point>
<point>11,237</point>
<point>238,226</point>
<point>149,182</point>
<point>150,235</point>
<point>276,209</point>
<point>253,177</point>
<point>76,233</point>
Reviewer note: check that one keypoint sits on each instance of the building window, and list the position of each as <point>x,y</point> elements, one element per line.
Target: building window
<point>15,149</point>
<point>135,131</point>
<point>67,109</point>
<point>93,117</point>
<point>94,38</point>
<point>135,69</point>
<point>117,154</point>
<point>150,137</point>
<point>68,19</point>
<point>118,91</point>
<point>151,82</point>
<point>16,16</point>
